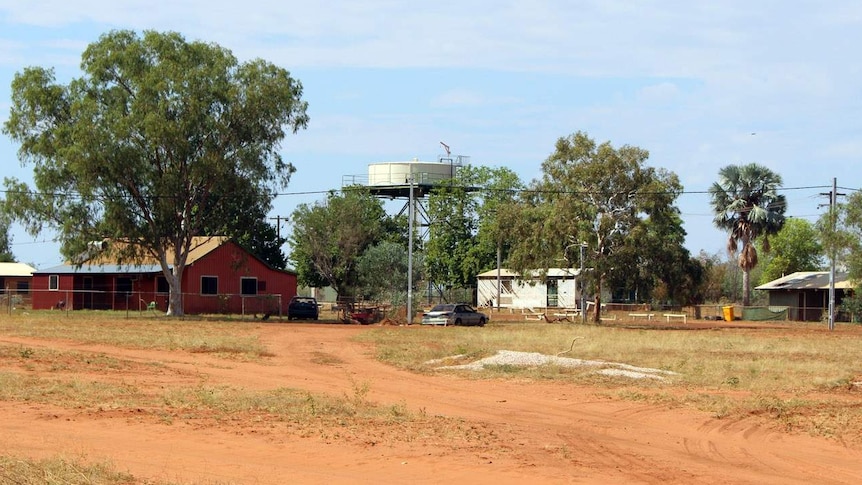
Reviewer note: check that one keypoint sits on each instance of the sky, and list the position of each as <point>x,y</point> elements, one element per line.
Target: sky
<point>700,85</point>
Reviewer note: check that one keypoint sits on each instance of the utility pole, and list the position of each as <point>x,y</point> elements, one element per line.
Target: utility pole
<point>832,208</point>
<point>833,218</point>
<point>499,279</point>
<point>278,226</point>
<point>410,251</point>
<point>583,246</point>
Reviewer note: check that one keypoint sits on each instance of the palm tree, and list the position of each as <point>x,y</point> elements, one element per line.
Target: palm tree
<point>746,203</point>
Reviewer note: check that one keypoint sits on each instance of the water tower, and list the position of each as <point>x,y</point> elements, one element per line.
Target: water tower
<point>396,180</point>
<point>410,181</point>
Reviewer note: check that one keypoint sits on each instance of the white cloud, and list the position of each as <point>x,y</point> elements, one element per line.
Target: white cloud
<point>689,81</point>
<point>467,98</point>
<point>659,93</point>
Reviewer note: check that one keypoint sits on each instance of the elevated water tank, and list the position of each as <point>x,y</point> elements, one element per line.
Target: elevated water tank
<point>385,174</point>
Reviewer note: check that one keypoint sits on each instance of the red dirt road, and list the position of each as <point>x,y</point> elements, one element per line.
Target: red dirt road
<point>526,432</point>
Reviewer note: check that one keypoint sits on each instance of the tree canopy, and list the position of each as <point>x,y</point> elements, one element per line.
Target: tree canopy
<point>146,143</point>
<point>746,203</point>
<point>329,237</point>
<point>796,247</point>
<point>840,233</point>
<point>6,255</point>
<point>597,194</point>
<point>465,224</point>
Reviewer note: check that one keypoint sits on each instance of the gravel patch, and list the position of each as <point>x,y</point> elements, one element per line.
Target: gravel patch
<point>535,359</point>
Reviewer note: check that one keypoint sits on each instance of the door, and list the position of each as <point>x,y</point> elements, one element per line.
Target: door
<point>553,293</point>
<point>88,292</point>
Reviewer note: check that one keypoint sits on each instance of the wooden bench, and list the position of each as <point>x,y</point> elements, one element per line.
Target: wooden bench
<point>684,317</point>
<point>648,316</point>
<point>570,316</point>
<point>535,316</point>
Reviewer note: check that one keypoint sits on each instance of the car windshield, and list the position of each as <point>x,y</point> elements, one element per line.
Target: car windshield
<point>443,308</point>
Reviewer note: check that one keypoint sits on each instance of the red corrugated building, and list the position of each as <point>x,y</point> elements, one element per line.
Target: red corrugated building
<point>220,277</point>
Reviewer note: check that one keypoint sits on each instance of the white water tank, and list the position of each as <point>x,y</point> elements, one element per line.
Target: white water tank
<point>398,173</point>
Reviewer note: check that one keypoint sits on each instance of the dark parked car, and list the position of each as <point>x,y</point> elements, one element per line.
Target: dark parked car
<point>302,307</point>
<point>454,314</point>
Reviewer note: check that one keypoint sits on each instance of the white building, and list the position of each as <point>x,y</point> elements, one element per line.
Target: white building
<point>559,289</point>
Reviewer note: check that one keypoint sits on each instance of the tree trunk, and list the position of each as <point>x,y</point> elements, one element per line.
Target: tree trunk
<point>597,314</point>
<point>746,288</point>
<point>175,297</point>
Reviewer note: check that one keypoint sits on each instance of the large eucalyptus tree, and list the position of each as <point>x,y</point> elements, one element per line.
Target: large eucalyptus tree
<point>147,142</point>
<point>746,204</point>
<point>596,194</point>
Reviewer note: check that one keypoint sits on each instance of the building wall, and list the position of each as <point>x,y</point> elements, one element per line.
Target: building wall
<point>44,299</point>
<point>229,263</point>
<point>525,295</point>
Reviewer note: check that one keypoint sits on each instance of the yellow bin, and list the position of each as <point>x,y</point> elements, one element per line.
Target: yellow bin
<point>728,313</point>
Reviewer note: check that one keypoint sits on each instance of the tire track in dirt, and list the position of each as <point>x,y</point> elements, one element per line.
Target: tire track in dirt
<point>550,432</point>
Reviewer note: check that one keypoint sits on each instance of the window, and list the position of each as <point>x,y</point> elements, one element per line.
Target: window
<point>23,287</point>
<point>123,285</point>
<point>209,285</point>
<point>162,285</point>
<point>53,282</point>
<point>248,286</point>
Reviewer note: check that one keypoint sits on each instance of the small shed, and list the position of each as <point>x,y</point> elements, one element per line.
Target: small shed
<point>806,293</point>
<point>557,289</point>
<point>16,280</point>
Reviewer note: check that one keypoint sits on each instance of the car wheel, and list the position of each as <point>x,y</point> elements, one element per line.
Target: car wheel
<point>481,322</point>
<point>457,321</point>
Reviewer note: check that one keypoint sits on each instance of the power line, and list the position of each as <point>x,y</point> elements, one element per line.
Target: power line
<point>462,187</point>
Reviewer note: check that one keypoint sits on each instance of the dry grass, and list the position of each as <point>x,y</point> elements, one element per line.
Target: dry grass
<point>801,377</point>
<point>236,339</point>
<point>94,383</point>
<point>58,471</point>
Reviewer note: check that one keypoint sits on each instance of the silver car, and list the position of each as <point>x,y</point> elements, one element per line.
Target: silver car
<point>454,314</point>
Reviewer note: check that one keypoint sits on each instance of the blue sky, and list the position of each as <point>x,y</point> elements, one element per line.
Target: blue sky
<point>699,84</point>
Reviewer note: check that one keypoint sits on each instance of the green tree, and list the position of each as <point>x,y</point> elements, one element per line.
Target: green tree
<point>840,231</point>
<point>329,237</point>
<point>382,272</point>
<point>240,212</point>
<point>592,193</point>
<point>465,229</point>
<point>796,247</point>
<point>660,268</point>
<point>746,203</point>
<point>6,255</point>
<point>136,147</point>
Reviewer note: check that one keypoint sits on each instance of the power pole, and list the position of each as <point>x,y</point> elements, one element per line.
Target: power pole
<point>277,220</point>
<point>833,217</point>
<point>832,208</point>
<point>410,252</point>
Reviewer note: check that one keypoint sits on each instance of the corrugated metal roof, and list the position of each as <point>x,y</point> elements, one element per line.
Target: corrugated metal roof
<point>200,247</point>
<point>104,263</point>
<point>16,269</point>
<point>807,280</point>
<point>552,272</point>
<point>102,269</point>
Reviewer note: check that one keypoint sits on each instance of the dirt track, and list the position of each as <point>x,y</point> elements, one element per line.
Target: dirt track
<point>539,433</point>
